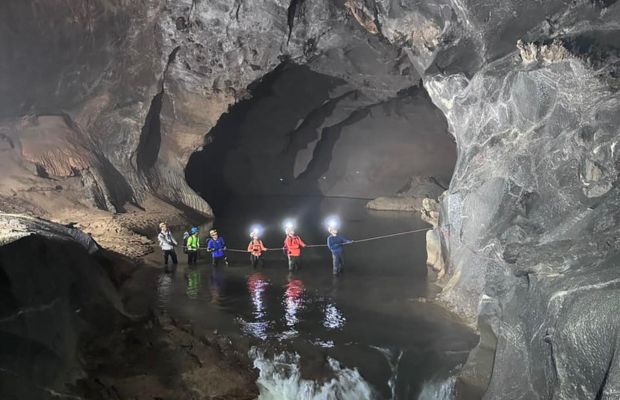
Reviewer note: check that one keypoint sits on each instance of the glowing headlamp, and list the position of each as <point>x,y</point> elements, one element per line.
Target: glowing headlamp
<point>256,230</point>
<point>332,222</point>
<point>289,224</point>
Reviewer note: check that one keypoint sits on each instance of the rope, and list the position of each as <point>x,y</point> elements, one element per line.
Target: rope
<point>388,236</point>
<point>312,246</point>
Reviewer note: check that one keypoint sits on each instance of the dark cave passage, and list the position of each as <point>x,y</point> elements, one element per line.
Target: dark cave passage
<point>251,145</point>
<point>302,133</point>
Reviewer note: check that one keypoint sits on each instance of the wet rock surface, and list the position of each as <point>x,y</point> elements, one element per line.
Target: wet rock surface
<point>55,291</point>
<point>66,332</point>
<point>412,197</point>
<point>165,359</point>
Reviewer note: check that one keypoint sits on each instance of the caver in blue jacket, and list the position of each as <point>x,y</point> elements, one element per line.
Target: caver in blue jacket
<point>217,246</point>
<point>335,243</point>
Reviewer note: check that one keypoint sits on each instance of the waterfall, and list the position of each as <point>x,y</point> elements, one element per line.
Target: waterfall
<point>438,390</point>
<point>280,379</point>
<point>393,359</point>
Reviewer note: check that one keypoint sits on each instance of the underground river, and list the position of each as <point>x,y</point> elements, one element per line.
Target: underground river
<point>366,334</point>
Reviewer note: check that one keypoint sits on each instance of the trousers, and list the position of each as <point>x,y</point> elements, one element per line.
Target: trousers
<point>294,262</point>
<point>192,256</point>
<point>219,260</point>
<point>257,261</point>
<point>170,254</point>
<point>338,259</point>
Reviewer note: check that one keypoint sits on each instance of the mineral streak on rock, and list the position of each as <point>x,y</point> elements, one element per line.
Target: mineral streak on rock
<point>360,12</point>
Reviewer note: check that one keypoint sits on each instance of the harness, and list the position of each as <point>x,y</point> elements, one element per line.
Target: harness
<point>294,242</point>
<point>256,247</point>
<point>168,238</point>
<point>293,245</point>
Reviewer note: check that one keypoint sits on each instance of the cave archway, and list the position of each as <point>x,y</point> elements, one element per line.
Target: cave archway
<point>303,133</point>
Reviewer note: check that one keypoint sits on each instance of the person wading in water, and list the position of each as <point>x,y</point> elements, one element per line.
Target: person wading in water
<point>293,245</point>
<point>217,247</point>
<point>192,245</point>
<point>336,243</point>
<point>256,248</point>
<point>167,244</point>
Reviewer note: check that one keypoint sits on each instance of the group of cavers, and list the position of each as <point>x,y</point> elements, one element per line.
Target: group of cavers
<point>216,246</point>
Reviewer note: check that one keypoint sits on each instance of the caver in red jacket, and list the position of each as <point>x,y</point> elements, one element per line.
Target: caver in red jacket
<point>256,247</point>
<point>293,245</point>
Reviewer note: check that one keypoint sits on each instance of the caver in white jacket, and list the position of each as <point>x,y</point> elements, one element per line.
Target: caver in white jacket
<point>166,241</point>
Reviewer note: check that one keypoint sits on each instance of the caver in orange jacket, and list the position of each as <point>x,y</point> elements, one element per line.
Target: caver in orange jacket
<point>293,245</point>
<point>256,248</point>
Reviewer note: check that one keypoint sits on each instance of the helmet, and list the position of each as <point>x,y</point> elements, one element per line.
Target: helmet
<point>193,230</point>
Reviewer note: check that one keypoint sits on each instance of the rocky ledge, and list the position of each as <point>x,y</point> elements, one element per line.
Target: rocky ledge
<point>66,332</point>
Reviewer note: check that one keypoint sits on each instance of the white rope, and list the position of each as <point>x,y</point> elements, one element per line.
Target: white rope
<point>389,236</point>
<point>310,246</point>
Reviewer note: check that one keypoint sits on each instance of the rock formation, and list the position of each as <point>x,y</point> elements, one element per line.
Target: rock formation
<point>416,196</point>
<point>528,225</point>
<point>309,133</point>
<point>55,291</point>
<point>103,102</point>
<point>66,332</point>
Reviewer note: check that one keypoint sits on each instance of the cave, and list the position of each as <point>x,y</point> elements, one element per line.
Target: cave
<point>451,166</point>
<point>303,133</point>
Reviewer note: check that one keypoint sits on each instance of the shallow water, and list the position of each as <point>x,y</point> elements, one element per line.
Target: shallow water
<point>366,330</point>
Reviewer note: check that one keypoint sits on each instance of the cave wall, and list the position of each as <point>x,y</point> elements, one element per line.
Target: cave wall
<point>529,225</point>
<point>532,234</point>
<point>381,147</point>
<point>136,87</point>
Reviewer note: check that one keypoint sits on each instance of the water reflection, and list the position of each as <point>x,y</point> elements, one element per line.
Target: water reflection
<point>164,289</point>
<point>216,282</point>
<point>340,316</point>
<point>293,302</point>
<point>333,317</point>
<point>193,279</point>
<point>326,344</point>
<point>257,284</point>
